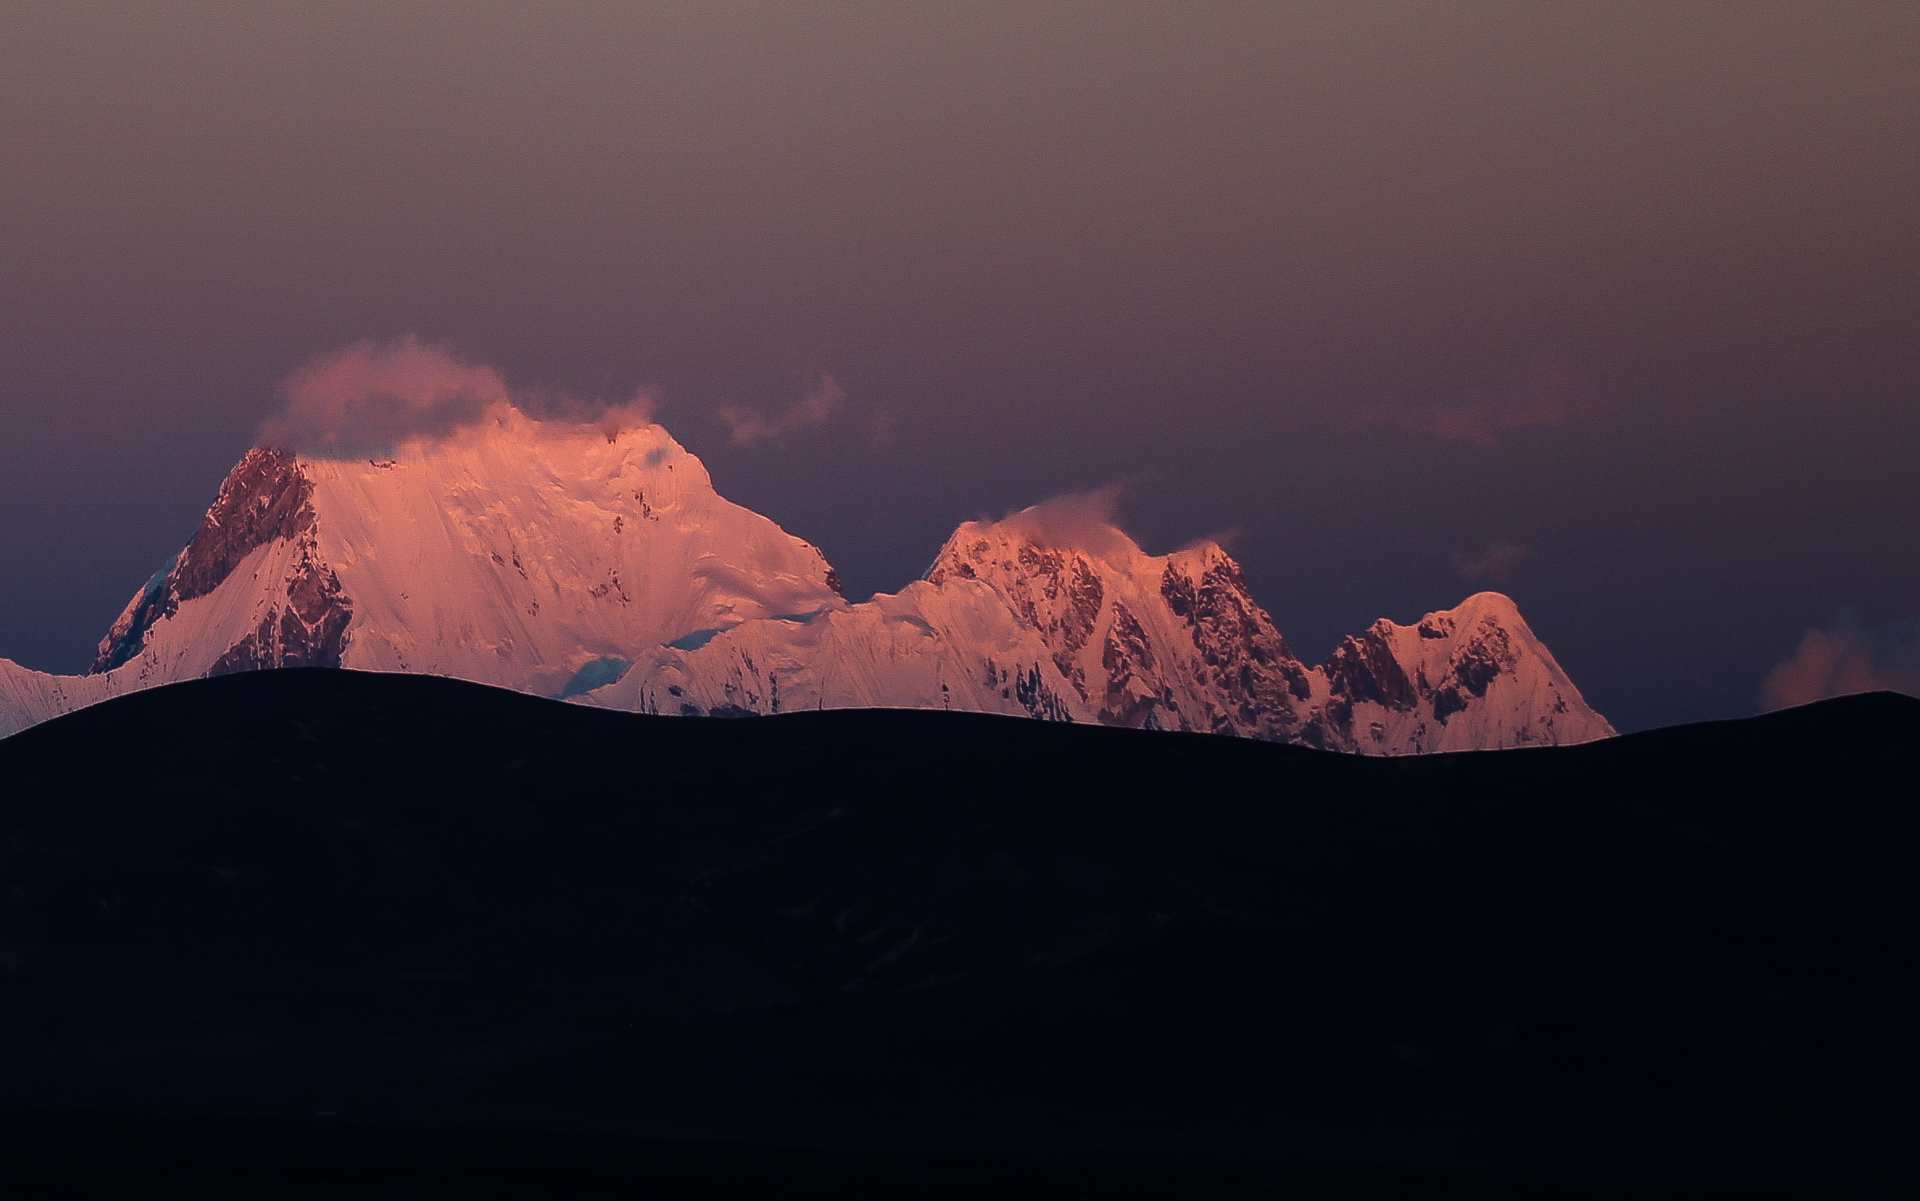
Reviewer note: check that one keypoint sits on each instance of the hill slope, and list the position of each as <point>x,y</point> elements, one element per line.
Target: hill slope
<point>1684,955</point>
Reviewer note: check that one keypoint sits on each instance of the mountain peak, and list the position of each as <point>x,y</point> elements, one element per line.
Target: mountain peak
<point>510,551</point>
<point>265,498</point>
<point>1471,677</point>
<point>594,561</point>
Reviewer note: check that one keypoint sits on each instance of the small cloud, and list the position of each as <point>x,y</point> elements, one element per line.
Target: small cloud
<point>1495,563</point>
<point>552,406</point>
<point>1846,659</point>
<point>1224,539</point>
<point>370,396</point>
<point>1086,521</point>
<point>636,413</point>
<point>1550,390</point>
<point>821,402</point>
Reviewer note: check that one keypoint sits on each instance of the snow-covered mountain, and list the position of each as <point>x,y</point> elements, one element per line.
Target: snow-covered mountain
<point>1178,642</point>
<point>598,564</point>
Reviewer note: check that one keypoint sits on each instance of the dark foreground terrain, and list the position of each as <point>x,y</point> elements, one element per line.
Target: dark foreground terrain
<point>434,939</point>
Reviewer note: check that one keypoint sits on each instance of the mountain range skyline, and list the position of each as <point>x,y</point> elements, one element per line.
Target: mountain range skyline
<point>378,402</point>
<point>440,529</point>
<point>372,401</point>
<point>604,597</point>
<point>1609,308</point>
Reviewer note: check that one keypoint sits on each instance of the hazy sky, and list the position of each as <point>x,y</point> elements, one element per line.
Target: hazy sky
<point>1615,307</point>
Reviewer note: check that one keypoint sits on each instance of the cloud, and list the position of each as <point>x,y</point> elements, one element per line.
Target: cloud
<point>1846,659</point>
<point>1224,539</point>
<point>1550,390</point>
<point>1495,563</point>
<point>551,407</point>
<point>823,399</point>
<point>636,413</point>
<point>1086,521</point>
<point>370,396</point>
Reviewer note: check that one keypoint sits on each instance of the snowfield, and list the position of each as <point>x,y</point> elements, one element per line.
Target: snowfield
<point>599,565</point>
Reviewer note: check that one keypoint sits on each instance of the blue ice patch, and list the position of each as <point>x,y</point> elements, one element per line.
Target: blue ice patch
<point>801,618</point>
<point>597,674</point>
<point>160,577</point>
<point>693,641</point>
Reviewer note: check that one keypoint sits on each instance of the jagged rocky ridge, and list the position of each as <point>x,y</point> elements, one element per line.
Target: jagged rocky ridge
<point>600,566</point>
<point>266,499</point>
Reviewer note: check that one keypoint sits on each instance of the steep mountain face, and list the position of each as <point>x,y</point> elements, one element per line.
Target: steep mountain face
<point>1173,642</point>
<point>510,554</point>
<point>600,565</point>
<point>1472,677</point>
<point>263,518</point>
<point>1178,642</point>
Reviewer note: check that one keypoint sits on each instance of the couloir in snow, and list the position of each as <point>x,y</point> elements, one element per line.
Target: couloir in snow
<point>599,565</point>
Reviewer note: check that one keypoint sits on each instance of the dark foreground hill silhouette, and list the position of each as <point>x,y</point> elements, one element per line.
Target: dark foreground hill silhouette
<point>1682,960</point>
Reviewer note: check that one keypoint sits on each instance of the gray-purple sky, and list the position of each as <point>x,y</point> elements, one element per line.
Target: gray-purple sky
<point>1615,307</point>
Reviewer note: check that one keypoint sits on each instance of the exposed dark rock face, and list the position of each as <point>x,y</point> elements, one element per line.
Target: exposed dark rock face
<point>1127,656</point>
<point>611,586</point>
<point>265,499</point>
<point>1481,661</point>
<point>1364,669</point>
<point>1473,668</point>
<point>1038,700</point>
<point>1239,645</point>
<point>1447,702</point>
<point>1181,596</point>
<point>311,631</point>
<point>129,633</point>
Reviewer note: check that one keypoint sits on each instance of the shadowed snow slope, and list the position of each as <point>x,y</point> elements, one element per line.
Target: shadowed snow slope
<point>600,565</point>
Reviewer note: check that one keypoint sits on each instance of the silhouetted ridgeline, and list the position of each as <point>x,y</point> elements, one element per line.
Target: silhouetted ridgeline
<point>1683,958</point>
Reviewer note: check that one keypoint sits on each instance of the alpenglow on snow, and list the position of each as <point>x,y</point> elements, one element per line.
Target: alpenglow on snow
<point>601,567</point>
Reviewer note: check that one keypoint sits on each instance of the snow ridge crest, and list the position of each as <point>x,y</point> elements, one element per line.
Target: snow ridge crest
<point>599,565</point>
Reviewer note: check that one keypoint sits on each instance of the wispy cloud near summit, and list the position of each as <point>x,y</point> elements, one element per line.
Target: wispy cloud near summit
<point>1086,521</point>
<point>823,399</point>
<point>371,395</point>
